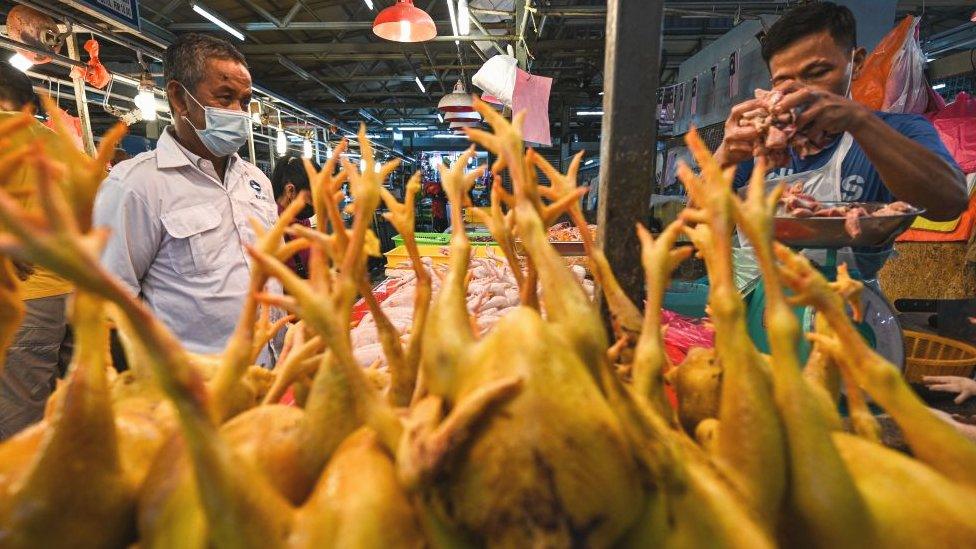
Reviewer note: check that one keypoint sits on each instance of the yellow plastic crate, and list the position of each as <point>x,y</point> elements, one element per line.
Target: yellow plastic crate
<point>399,255</point>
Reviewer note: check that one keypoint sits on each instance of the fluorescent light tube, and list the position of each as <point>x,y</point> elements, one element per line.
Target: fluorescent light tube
<point>464,18</point>
<point>281,143</point>
<point>20,62</point>
<point>218,21</point>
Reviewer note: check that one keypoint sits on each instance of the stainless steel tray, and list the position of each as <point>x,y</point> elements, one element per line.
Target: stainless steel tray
<point>829,232</point>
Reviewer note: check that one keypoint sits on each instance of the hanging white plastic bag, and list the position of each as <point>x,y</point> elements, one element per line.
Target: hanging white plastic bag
<point>497,77</point>
<point>906,90</point>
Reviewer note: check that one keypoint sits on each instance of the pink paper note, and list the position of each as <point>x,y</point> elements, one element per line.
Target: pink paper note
<point>532,96</point>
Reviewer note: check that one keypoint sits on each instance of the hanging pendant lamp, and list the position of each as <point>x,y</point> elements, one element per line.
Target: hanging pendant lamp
<point>459,126</point>
<point>404,22</point>
<point>462,116</point>
<point>458,100</point>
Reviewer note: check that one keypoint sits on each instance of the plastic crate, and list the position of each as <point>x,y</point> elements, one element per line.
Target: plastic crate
<point>440,239</point>
<point>399,258</point>
<point>433,239</point>
<point>687,298</point>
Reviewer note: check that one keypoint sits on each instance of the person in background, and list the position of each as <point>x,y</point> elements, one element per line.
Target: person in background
<point>179,215</point>
<point>438,206</point>
<point>41,347</point>
<point>813,57</point>
<point>288,180</point>
<point>964,387</point>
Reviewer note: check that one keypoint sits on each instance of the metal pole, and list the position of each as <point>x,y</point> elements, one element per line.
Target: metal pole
<point>251,156</point>
<point>271,149</point>
<point>81,100</point>
<point>629,134</point>
<point>564,139</point>
<point>521,16</point>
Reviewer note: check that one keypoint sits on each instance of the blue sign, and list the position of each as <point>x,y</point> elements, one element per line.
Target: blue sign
<point>123,11</point>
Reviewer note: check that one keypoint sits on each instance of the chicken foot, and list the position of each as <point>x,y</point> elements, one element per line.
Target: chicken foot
<point>750,440</point>
<point>932,440</point>
<point>823,496</point>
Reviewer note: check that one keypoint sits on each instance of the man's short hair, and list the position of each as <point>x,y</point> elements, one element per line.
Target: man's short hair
<point>16,87</point>
<point>186,58</point>
<point>807,19</point>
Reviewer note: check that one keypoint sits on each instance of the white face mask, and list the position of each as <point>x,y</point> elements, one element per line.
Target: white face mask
<point>850,75</point>
<point>225,131</point>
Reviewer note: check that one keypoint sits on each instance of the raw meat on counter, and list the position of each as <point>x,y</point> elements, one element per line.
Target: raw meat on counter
<point>567,232</point>
<point>492,292</point>
<point>796,203</point>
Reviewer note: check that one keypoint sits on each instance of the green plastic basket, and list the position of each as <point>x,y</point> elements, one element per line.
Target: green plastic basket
<point>439,239</point>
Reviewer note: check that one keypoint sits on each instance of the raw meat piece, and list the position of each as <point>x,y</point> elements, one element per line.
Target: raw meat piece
<point>895,208</point>
<point>801,205</point>
<point>801,212</point>
<point>778,132</point>
<point>852,221</point>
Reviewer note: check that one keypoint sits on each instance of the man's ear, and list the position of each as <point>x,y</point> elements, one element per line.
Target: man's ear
<point>860,55</point>
<point>177,99</point>
<point>290,191</point>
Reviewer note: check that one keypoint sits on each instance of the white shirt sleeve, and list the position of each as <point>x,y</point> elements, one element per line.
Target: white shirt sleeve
<point>135,232</point>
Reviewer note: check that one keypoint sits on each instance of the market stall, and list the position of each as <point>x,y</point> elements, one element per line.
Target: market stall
<point>465,358</point>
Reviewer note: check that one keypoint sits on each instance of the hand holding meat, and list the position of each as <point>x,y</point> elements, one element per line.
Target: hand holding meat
<point>820,114</point>
<point>790,115</point>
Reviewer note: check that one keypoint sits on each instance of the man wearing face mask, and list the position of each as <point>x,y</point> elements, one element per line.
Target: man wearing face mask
<point>813,57</point>
<point>179,214</point>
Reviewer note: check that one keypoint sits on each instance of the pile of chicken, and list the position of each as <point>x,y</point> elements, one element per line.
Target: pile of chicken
<point>796,203</point>
<point>491,294</point>
<point>538,433</point>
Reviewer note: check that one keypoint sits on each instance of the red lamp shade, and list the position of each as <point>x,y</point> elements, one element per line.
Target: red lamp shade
<point>404,22</point>
<point>460,116</point>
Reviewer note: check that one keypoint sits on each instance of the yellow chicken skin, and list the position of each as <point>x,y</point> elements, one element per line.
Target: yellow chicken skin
<point>527,435</point>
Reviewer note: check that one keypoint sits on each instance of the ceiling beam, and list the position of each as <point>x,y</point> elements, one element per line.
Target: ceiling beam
<point>320,26</point>
<point>436,46</point>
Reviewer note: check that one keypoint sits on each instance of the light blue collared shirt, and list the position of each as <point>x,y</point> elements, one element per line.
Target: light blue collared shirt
<point>178,237</point>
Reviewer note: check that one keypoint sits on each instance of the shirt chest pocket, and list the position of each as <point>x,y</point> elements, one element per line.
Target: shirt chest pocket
<point>265,213</point>
<point>197,246</point>
<point>257,210</point>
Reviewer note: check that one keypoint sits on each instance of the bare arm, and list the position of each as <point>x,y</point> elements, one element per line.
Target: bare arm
<point>911,172</point>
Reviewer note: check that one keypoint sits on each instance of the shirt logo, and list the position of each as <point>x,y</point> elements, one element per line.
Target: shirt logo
<point>852,188</point>
<point>257,188</point>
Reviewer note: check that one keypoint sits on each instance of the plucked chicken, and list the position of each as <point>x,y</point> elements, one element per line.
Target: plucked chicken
<point>503,415</point>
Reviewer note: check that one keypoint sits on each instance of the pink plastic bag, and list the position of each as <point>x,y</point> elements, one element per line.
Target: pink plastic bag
<point>683,333</point>
<point>956,125</point>
<point>532,97</point>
